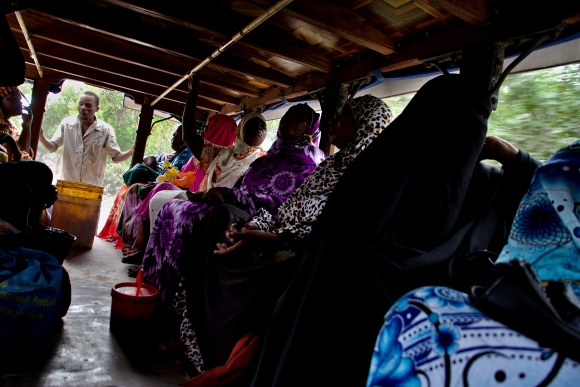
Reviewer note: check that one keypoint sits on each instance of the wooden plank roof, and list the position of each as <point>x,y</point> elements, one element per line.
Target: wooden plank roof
<point>142,47</point>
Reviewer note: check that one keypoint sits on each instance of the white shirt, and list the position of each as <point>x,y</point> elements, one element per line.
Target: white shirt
<point>84,158</point>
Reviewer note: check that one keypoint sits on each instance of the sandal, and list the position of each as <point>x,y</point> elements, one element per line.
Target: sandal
<point>135,258</point>
<point>133,271</point>
<point>128,250</point>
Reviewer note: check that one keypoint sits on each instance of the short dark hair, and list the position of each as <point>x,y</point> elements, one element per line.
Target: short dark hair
<point>93,95</point>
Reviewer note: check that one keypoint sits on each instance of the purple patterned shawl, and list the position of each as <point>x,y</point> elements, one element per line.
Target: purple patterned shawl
<point>274,177</point>
<point>268,181</point>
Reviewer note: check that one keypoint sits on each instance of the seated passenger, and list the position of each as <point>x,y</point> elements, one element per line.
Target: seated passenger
<point>135,182</point>
<point>27,191</point>
<point>216,133</point>
<point>151,162</point>
<point>232,293</point>
<point>464,341</point>
<point>16,144</point>
<point>402,216</point>
<point>221,131</point>
<point>264,186</point>
<point>179,157</point>
<point>221,166</point>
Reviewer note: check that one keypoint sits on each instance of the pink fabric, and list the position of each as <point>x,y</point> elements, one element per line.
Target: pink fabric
<point>199,174</point>
<point>221,130</point>
<point>143,209</point>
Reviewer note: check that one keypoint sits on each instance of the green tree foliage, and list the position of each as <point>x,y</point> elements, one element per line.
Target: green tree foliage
<point>537,111</point>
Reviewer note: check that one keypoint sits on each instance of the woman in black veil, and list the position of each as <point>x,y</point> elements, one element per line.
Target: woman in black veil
<point>404,215</point>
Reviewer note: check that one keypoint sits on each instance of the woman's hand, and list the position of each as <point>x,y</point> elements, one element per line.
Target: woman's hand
<point>495,148</point>
<point>248,226</point>
<point>213,196</point>
<point>26,117</point>
<point>249,237</point>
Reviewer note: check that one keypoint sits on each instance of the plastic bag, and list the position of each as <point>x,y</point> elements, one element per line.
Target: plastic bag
<point>30,296</point>
<point>184,179</point>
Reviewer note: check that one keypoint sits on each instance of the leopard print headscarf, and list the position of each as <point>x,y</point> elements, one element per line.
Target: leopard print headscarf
<point>301,210</point>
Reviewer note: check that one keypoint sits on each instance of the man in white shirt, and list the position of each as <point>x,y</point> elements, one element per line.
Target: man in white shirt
<point>86,142</point>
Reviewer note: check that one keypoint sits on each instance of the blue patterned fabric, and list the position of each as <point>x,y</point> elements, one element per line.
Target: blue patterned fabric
<point>433,336</point>
<point>546,228</point>
<point>177,159</point>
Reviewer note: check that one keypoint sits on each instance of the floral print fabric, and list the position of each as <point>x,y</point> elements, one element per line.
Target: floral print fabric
<point>173,224</point>
<point>546,228</point>
<point>223,166</point>
<point>433,336</point>
<point>266,184</point>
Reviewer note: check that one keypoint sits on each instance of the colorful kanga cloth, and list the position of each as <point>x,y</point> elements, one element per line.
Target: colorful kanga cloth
<point>224,166</point>
<point>176,160</point>
<point>109,230</point>
<point>221,131</point>
<point>266,183</point>
<point>546,228</point>
<point>433,336</point>
<point>129,222</point>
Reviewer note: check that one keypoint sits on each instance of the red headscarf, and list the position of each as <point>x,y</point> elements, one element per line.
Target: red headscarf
<point>221,130</point>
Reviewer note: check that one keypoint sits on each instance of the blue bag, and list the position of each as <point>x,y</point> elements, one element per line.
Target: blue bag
<point>30,292</point>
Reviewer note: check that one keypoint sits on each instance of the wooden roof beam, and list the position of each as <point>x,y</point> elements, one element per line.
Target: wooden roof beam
<point>116,82</point>
<point>341,21</point>
<point>137,56</point>
<point>292,52</point>
<point>509,27</point>
<point>147,34</point>
<point>158,39</point>
<point>165,105</point>
<point>145,75</point>
<point>474,12</point>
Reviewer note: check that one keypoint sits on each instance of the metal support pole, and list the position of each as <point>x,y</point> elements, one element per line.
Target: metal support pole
<point>259,20</point>
<point>29,42</point>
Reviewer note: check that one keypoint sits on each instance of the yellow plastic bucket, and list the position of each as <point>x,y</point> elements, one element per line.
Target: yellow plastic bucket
<point>79,190</point>
<point>77,211</point>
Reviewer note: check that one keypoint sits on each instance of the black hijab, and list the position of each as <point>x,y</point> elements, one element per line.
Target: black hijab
<point>415,201</point>
<point>420,167</point>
